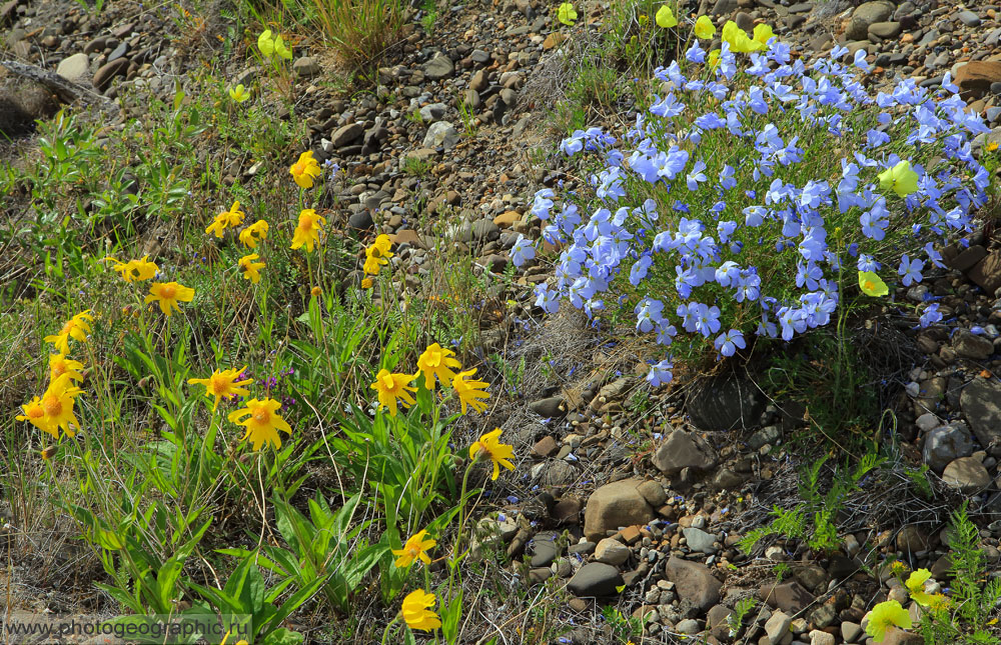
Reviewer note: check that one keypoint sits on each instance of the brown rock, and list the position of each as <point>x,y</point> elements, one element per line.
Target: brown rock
<point>108,71</point>
<point>545,447</point>
<point>614,505</point>
<point>790,597</point>
<point>968,257</point>
<point>978,75</point>
<point>987,273</point>
<point>693,582</point>
<point>967,474</point>
<point>896,636</point>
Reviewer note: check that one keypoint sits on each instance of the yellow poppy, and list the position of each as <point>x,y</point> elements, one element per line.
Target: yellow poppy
<point>871,284</point>
<point>665,17</point>
<point>704,28</point>
<point>885,615</point>
<point>901,179</point>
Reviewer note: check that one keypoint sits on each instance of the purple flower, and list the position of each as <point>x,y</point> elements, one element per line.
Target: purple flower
<point>910,270</point>
<point>727,343</point>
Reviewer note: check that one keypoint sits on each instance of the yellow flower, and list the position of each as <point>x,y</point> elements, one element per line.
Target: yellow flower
<point>308,230</point>
<point>884,615</point>
<point>643,19</point>
<point>49,452</point>
<point>76,328</point>
<point>871,284</point>
<point>665,17</point>
<point>394,386</point>
<point>470,391</point>
<point>916,586</point>
<point>366,283</point>
<point>414,548</point>
<point>272,45</point>
<point>239,93</point>
<point>762,34</point>
<point>316,292</point>
<point>167,294</point>
<point>991,147</point>
<point>898,568</point>
<point>60,364</point>
<point>416,611</point>
<point>305,170</point>
<point>222,384</point>
<point>262,422</point>
<point>712,59</point>
<point>436,361</point>
<point>254,233</point>
<point>227,219</point>
<point>499,453</point>
<point>250,268</point>
<point>377,255</point>
<point>55,409</point>
<point>901,179</point>
<point>704,28</point>
<point>566,14</point>
<point>134,269</point>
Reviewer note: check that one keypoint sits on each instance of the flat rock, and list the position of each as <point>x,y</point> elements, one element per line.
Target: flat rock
<point>987,273</point>
<point>439,67</point>
<point>977,76</point>
<point>699,540</point>
<point>544,549</point>
<point>107,73</point>
<point>683,449</point>
<point>595,579</point>
<point>969,345</point>
<point>693,582</point>
<point>791,597</point>
<point>347,134</point>
<point>776,627</point>
<point>980,402</point>
<point>884,30</point>
<point>306,67</point>
<point>441,135</point>
<point>614,505</point>
<point>967,474</point>
<point>74,68</point>
<point>611,551</point>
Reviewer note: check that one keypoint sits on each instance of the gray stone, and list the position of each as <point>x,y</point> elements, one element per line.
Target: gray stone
<point>693,582</point>
<point>790,597</point>
<point>884,30</point>
<point>479,81</point>
<point>683,450</point>
<point>118,52</point>
<point>767,435</point>
<point>595,579</point>
<point>611,551</point>
<point>439,67</point>
<point>433,112</point>
<point>544,549</point>
<point>724,7</point>
<point>306,67</point>
<point>980,402</point>
<point>818,637</point>
<point>361,220</point>
<point>777,626</point>
<point>850,631</point>
<point>969,18</point>
<point>865,15</point>
<point>74,68</point>
<point>687,626</point>
<point>441,135</point>
<point>614,505</point>
<point>969,345</point>
<point>967,474</point>
<point>699,540</point>
<point>725,403</point>
<point>347,134</point>
<point>945,444</point>
<point>551,408</point>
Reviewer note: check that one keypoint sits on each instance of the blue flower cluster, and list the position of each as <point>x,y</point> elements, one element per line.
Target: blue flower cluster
<point>745,202</point>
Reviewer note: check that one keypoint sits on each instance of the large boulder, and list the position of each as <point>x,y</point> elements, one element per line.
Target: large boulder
<point>865,15</point>
<point>614,505</point>
<point>693,582</point>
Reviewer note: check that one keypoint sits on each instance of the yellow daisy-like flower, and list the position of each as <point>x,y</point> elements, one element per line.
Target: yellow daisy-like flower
<point>377,255</point>
<point>60,364</point>
<point>366,283</point>
<point>262,422</point>
<point>307,232</point>
<point>227,219</point>
<point>665,17</point>
<point>414,548</point>
<point>305,170</point>
<point>392,387</point>
<point>77,328</point>
<point>871,284</point>
<point>417,613</point>
<point>436,361</point>
<point>470,391</point>
<point>134,269</point>
<point>254,233</point>
<point>885,615</point>
<point>224,383</point>
<point>239,93</point>
<point>901,179</point>
<point>499,453</point>
<point>167,295</point>
<point>704,28</point>
<point>916,586</point>
<point>55,409</point>
<point>250,268</point>
<point>316,292</point>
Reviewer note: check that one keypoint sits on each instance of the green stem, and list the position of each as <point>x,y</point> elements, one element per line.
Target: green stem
<point>385,634</point>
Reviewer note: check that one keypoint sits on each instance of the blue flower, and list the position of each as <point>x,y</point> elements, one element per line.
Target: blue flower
<point>910,270</point>
<point>727,343</point>
<point>930,316</point>
<point>660,373</point>
<point>522,251</point>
